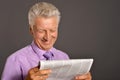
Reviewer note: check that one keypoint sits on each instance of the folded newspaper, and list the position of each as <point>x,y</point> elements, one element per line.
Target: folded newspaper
<point>66,69</point>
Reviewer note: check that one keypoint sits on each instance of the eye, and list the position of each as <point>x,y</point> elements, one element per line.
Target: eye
<point>53,30</point>
<point>41,30</point>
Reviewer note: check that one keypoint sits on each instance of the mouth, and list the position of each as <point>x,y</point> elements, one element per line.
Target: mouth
<point>46,42</point>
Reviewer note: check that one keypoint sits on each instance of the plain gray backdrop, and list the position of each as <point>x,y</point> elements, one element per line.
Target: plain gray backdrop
<point>88,29</point>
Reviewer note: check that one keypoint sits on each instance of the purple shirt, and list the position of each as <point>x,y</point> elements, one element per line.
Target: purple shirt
<point>18,64</point>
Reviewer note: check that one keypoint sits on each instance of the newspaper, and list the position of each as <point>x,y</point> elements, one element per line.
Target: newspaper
<point>66,69</point>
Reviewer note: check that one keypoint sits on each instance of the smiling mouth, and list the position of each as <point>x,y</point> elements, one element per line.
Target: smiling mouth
<point>46,42</point>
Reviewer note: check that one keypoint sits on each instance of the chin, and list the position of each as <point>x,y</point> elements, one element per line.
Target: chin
<point>47,47</point>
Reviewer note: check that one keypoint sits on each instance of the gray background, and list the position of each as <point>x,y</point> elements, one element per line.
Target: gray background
<point>88,29</point>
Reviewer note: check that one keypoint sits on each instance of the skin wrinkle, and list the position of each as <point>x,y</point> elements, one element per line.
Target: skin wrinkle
<point>45,32</point>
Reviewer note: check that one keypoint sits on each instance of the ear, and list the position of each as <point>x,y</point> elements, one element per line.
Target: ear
<point>31,30</point>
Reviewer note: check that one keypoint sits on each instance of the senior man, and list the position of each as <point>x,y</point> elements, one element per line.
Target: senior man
<point>44,20</point>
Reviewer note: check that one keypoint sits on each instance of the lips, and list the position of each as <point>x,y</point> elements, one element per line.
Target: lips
<point>46,42</point>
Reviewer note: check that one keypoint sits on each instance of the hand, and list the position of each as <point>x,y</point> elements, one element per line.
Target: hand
<point>36,74</point>
<point>84,77</point>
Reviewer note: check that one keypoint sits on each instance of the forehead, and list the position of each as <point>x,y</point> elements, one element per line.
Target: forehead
<point>45,21</point>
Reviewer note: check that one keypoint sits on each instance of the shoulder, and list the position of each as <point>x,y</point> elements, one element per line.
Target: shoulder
<point>19,54</point>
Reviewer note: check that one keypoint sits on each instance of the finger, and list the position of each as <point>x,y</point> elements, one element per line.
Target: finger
<point>39,78</point>
<point>43,77</point>
<point>45,71</point>
<point>89,76</point>
<point>36,73</point>
<point>33,70</point>
<point>84,77</point>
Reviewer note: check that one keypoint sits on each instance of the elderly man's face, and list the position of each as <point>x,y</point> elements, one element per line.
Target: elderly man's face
<point>45,32</point>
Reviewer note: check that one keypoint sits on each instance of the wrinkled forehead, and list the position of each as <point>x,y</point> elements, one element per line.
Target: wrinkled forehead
<point>46,22</point>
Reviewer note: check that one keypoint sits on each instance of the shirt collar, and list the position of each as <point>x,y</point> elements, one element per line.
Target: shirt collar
<point>39,51</point>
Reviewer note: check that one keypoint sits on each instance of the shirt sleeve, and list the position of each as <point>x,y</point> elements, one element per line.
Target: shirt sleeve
<point>12,70</point>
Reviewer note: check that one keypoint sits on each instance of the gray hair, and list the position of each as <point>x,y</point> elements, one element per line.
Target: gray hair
<point>43,9</point>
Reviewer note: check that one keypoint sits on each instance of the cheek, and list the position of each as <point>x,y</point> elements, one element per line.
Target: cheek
<point>55,35</point>
<point>38,36</point>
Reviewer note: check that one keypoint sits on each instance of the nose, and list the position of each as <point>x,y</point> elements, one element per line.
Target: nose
<point>47,35</point>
